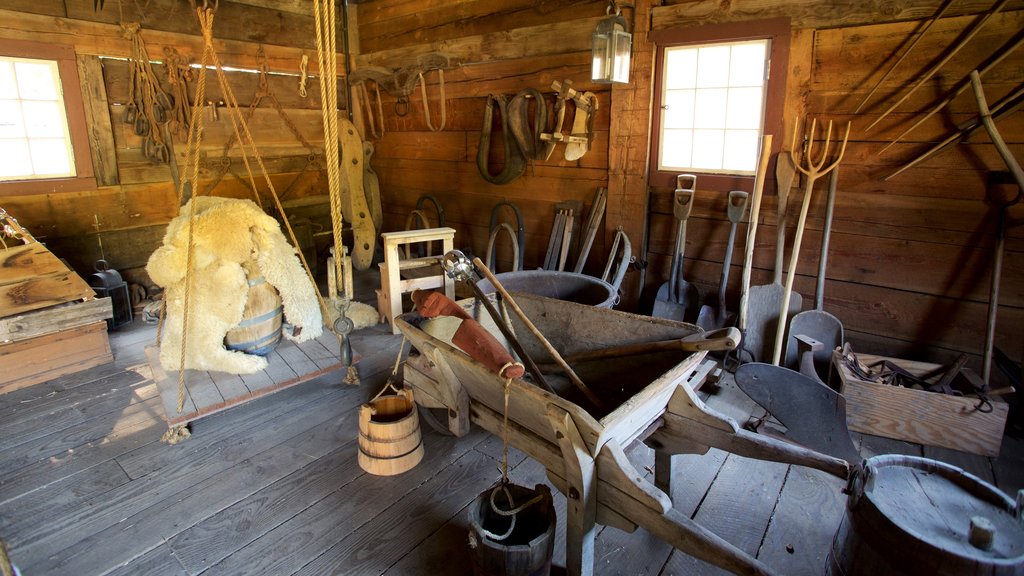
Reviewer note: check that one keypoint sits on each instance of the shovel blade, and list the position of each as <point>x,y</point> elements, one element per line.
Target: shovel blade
<point>763,304</point>
<point>813,414</point>
<point>821,326</point>
<point>685,310</point>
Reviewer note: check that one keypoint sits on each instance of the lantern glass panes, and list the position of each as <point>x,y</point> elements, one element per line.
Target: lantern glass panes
<point>612,45</point>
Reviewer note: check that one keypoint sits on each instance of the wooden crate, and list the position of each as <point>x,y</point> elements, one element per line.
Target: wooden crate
<point>41,358</point>
<point>919,416</point>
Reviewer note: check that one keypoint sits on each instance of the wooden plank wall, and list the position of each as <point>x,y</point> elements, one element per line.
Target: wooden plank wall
<point>499,49</point>
<point>911,258</point>
<point>129,211</point>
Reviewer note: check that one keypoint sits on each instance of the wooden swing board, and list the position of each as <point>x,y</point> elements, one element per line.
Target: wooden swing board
<point>209,392</point>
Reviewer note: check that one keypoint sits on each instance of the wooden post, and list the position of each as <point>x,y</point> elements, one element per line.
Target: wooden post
<point>628,135</point>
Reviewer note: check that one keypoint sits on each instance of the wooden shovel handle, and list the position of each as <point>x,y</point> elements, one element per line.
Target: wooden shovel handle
<point>722,339</point>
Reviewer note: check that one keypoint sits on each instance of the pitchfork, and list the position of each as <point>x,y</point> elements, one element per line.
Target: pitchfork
<point>813,171</point>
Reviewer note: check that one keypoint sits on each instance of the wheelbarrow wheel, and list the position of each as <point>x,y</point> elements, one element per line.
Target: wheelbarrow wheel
<point>436,418</point>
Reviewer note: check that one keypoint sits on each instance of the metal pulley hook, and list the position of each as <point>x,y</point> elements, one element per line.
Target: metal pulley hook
<point>402,106</point>
<point>457,266</point>
<point>343,325</point>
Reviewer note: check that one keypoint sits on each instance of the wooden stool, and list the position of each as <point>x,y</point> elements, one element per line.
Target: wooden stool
<point>392,286</point>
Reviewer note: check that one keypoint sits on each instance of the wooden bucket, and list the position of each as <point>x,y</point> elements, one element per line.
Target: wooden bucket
<point>915,516</point>
<point>527,550</point>
<point>389,435</point>
<point>259,331</point>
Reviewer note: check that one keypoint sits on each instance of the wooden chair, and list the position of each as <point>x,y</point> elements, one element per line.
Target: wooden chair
<point>392,285</point>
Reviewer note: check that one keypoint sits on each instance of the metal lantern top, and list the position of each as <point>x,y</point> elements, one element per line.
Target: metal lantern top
<point>611,47</point>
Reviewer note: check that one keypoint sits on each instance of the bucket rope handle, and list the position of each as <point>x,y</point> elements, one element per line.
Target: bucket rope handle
<point>390,384</point>
<point>512,512</point>
<point>503,486</point>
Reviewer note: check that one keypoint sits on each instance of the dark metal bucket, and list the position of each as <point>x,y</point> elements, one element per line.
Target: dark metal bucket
<point>569,286</point>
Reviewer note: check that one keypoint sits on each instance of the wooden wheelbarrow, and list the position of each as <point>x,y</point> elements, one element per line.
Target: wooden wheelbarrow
<point>645,397</point>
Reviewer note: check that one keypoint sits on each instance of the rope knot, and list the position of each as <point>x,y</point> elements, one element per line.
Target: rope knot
<point>129,29</point>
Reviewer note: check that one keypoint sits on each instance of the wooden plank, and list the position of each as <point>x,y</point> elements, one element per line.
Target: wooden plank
<point>44,357</point>
<point>71,407</point>
<point>48,320</point>
<point>386,26</point>
<point>203,390</point>
<point>26,262</point>
<point>102,39</point>
<point>297,359</point>
<point>38,508</point>
<point>58,455</point>
<point>234,21</point>
<point>230,386</point>
<point>206,543</point>
<point>150,527</point>
<point>804,13</point>
<point>161,472</point>
<point>317,351</point>
<point>919,416</point>
<point>519,42</point>
<point>809,510</point>
<point>366,497</point>
<point>41,291</point>
<point>738,507</point>
<point>416,516</point>
<point>256,381</point>
<point>97,118</point>
<point>159,560</point>
<point>839,64</point>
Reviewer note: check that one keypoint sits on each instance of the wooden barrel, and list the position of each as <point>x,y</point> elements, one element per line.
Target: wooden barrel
<point>389,435</point>
<point>915,516</point>
<point>527,550</point>
<point>259,331</point>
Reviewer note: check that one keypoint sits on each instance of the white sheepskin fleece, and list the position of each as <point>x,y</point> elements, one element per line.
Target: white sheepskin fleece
<point>228,234</point>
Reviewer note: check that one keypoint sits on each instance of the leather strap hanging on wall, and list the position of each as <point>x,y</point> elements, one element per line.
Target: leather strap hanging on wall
<point>530,143</point>
<point>515,163</point>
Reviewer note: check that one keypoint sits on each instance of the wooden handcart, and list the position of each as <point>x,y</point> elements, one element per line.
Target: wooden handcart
<point>646,399</point>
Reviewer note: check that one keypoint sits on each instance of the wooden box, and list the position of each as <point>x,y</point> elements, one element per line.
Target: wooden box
<point>41,358</point>
<point>919,416</point>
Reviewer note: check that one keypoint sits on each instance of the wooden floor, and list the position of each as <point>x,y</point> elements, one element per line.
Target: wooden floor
<point>273,487</point>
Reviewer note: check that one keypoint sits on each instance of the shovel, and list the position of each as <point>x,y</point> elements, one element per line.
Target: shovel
<point>764,301</point>
<point>715,316</point>
<point>677,298</point>
<point>817,323</point>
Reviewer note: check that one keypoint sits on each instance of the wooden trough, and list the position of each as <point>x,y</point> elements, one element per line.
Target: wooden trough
<point>583,452</point>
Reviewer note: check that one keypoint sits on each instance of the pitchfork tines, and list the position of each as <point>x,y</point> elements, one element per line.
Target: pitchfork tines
<point>814,169</point>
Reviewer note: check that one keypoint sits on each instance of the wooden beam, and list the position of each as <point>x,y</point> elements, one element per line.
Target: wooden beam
<point>98,39</point>
<point>808,13</point>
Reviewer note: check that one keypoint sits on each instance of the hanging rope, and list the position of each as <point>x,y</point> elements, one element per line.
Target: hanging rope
<point>327,60</point>
<point>503,488</point>
<point>247,144</point>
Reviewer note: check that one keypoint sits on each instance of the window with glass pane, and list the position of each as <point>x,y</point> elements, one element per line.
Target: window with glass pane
<point>34,137</point>
<point>713,107</point>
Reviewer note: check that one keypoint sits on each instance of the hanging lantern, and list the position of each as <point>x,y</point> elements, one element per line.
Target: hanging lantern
<point>611,45</point>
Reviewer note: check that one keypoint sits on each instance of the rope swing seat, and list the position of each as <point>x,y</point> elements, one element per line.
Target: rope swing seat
<point>253,360</point>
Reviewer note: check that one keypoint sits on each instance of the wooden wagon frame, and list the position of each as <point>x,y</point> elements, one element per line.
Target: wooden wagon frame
<point>584,456</point>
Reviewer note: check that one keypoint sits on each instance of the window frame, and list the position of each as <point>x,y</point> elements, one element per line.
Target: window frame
<point>778,32</point>
<point>74,109</point>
